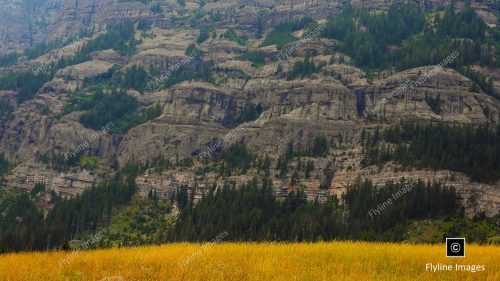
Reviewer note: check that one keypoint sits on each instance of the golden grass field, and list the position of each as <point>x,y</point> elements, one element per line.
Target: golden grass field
<point>244,261</point>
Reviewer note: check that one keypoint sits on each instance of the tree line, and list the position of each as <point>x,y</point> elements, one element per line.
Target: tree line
<point>472,150</point>
<point>404,39</point>
<point>252,213</point>
<point>23,227</point>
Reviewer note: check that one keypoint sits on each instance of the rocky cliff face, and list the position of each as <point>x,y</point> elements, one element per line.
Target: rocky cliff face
<point>457,103</point>
<point>24,23</point>
<point>196,114</point>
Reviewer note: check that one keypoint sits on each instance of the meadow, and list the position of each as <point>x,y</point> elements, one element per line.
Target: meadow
<point>247,261</point>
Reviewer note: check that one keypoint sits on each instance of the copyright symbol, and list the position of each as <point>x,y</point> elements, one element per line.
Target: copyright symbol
<point>455,247</point>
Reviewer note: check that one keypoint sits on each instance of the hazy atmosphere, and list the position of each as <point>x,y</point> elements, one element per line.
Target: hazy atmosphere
<point>249,140</point>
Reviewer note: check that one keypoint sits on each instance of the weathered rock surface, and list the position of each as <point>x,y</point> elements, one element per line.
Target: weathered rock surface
<point>24,23</point>
<point>457,103</point>
<point>475,197</point>
<point>196,114</point>
<point>66,184</point>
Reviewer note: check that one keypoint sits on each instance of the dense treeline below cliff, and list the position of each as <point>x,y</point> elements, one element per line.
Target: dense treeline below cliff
<point>23,226</point>
<point>365,212</point>
<point>248,213</point>
<point>253,213</point>
<point>472,150</point>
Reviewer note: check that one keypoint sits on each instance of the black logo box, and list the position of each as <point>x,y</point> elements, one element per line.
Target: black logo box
<point>455,247</point>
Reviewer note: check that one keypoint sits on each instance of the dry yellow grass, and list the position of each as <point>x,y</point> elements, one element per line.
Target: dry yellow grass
<point>262,262</point>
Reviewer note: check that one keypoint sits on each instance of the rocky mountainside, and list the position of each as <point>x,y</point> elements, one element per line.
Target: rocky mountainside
<point>24,23</point>
<point>199,114</point>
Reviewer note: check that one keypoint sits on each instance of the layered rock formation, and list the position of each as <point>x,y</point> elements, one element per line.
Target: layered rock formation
<point>24,23</point>
<point>195,114</point>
